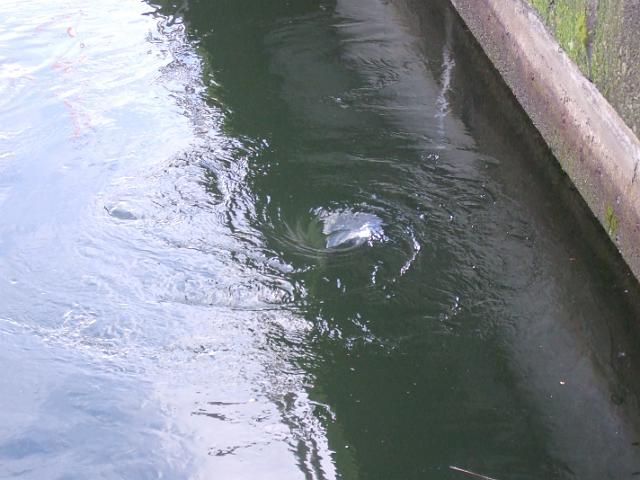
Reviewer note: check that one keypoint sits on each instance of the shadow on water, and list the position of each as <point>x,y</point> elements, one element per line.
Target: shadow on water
<point>491,326</point>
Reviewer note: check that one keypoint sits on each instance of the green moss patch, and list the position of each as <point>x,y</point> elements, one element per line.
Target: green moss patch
<point>611,221</point>
<point>567,19</point>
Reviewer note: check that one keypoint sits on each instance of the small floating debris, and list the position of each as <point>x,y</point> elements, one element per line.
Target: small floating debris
<point>121,211</point>
<point>347,228</point>
<point>469,473</point>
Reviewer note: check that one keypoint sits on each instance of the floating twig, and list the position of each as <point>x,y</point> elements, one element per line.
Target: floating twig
<point>469,473</point>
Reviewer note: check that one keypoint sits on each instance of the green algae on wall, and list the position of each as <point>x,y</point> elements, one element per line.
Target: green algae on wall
<point>601,37</point>
<point>611,221</point>
<point>568,19</point>
<point>608,64</point>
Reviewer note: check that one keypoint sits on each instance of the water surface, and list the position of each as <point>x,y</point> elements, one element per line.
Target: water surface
<point>294,239</point>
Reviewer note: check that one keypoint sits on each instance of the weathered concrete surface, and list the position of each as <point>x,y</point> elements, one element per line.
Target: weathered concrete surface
<point>603,38</point>
<point>594,146</point>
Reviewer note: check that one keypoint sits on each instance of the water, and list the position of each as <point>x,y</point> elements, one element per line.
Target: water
<point>293,239</point>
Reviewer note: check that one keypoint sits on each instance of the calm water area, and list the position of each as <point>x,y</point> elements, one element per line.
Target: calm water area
<point>294,239</point>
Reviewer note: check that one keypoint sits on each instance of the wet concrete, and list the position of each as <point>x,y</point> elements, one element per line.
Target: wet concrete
<point>594,146</point>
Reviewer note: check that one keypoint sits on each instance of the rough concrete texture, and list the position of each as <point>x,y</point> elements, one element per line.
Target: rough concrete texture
<point>595,147</point>
<point>603,38</point>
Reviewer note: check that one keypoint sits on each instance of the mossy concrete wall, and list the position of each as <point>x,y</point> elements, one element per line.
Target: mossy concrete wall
<point>603,38</point>
<point>548,52</point>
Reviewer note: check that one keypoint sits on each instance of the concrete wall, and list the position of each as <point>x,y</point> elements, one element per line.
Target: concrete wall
<point>603,38</point>
<point>594,145</point>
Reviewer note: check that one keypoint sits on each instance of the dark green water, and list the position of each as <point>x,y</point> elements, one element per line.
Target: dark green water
<point>250,239</point>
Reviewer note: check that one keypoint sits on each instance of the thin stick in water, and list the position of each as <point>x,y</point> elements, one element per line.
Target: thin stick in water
<point>471,474</point>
